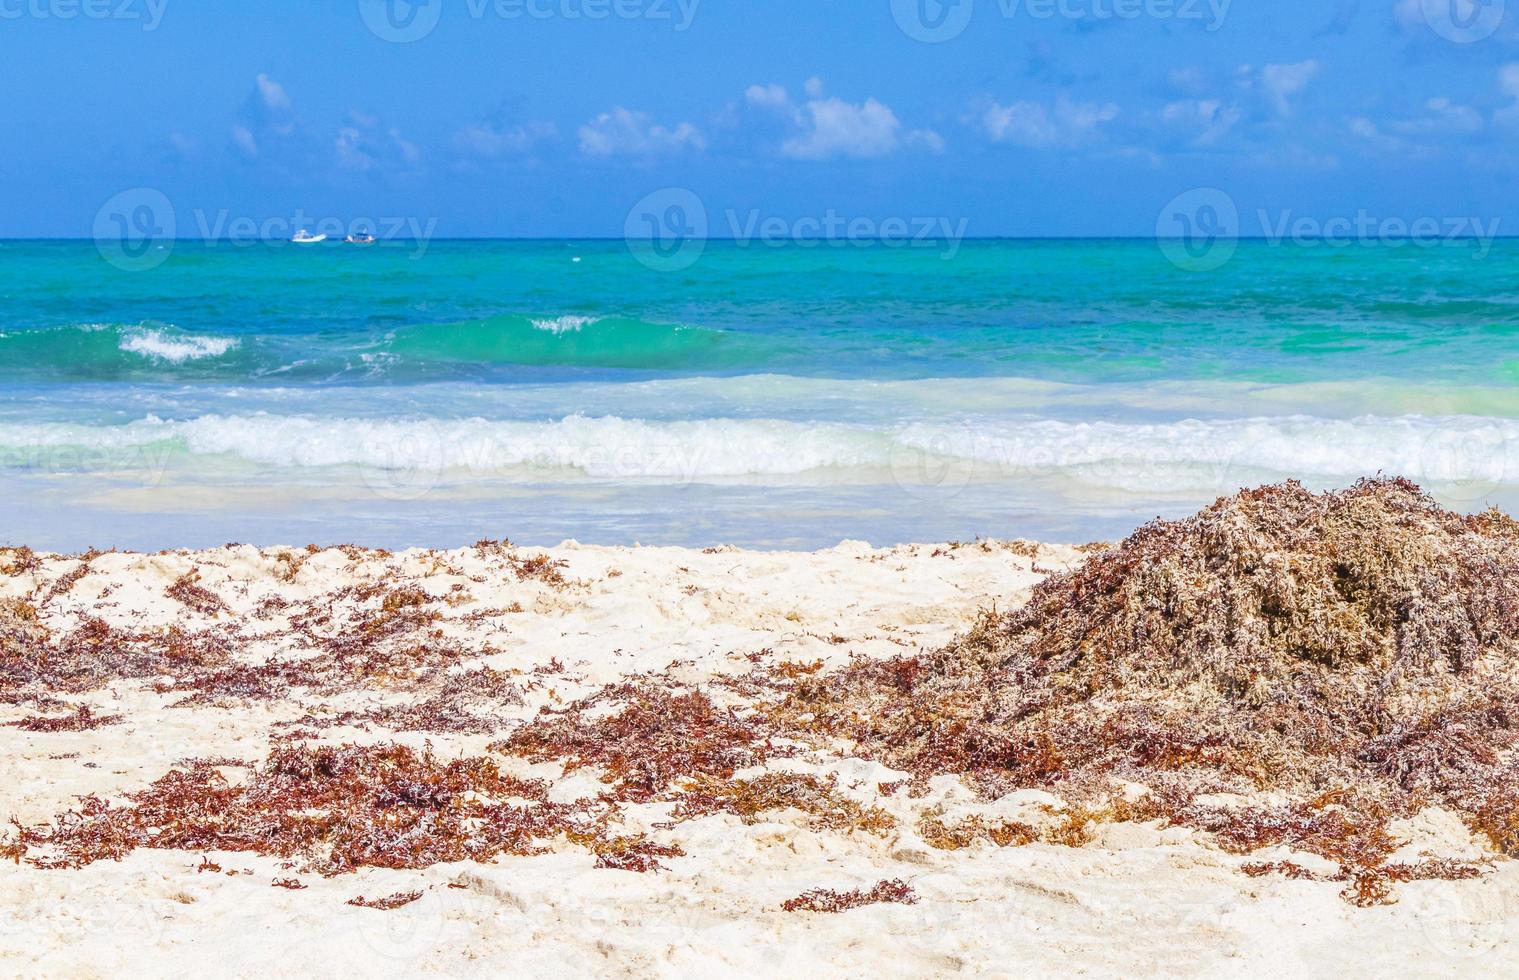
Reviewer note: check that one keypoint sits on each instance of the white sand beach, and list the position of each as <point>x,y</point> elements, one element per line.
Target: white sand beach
<point>1135,899</point>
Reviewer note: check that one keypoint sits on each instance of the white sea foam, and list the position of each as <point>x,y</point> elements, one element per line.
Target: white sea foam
<point>174,348</point>
<point>1176,457</point>
<point>1194,455</point>
<point>565,324</point>
<point>603,448</point>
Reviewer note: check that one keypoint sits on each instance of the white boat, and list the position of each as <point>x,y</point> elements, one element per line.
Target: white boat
<point>304,237</point>
<point>360,238</point>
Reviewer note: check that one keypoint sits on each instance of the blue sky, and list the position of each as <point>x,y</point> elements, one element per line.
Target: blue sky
<point>541,118</point>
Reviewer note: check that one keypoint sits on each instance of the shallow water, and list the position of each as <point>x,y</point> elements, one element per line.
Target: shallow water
<point>431,393</point>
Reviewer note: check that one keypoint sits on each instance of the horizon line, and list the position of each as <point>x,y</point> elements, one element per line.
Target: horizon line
<point>816,240</point>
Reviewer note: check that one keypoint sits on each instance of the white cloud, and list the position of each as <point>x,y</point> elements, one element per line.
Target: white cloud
<point>1508,84</point>
<point>834,128</point>
<point>1187,81</point>
<point>243,139</point>
<point>268,130</point>
<point>363,145</point>
<point>271,93</point>
<point>827,127</point>
<point>1209,119</point>
<point>407,150</point>
<point>1365,129</point>
<point>925,139</point>
<point>1425,135</point>
<point>488,139</point>
<point>1508,80</point>
<point>267,120</point>
<point>501,132</point>
<point>625,132</point>
<point>1442,117</point>
<point>1295,157</point>
<point>350,154</point>
<point>1066,123</point>
<point>1281,83</point>
<point>767,96</point>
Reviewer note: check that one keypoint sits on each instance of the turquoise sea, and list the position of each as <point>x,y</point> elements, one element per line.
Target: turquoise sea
<point>781,396</point>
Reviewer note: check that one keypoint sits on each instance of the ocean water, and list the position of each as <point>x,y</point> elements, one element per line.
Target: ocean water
<point>433,393</point>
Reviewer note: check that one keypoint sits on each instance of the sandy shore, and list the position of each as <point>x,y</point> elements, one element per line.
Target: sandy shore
<point>555,626</point>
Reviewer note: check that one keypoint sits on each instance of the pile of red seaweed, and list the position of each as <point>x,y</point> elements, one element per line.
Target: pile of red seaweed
<point>1352,651</point>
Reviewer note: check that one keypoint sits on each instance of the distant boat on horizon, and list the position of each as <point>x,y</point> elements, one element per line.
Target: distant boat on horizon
<point>360,238</point>
<point>304,237</point>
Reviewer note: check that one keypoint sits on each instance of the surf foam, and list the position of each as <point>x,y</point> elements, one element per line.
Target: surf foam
<point>1177,457</point>
<point>565,324</point>
<point>174,348</point>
